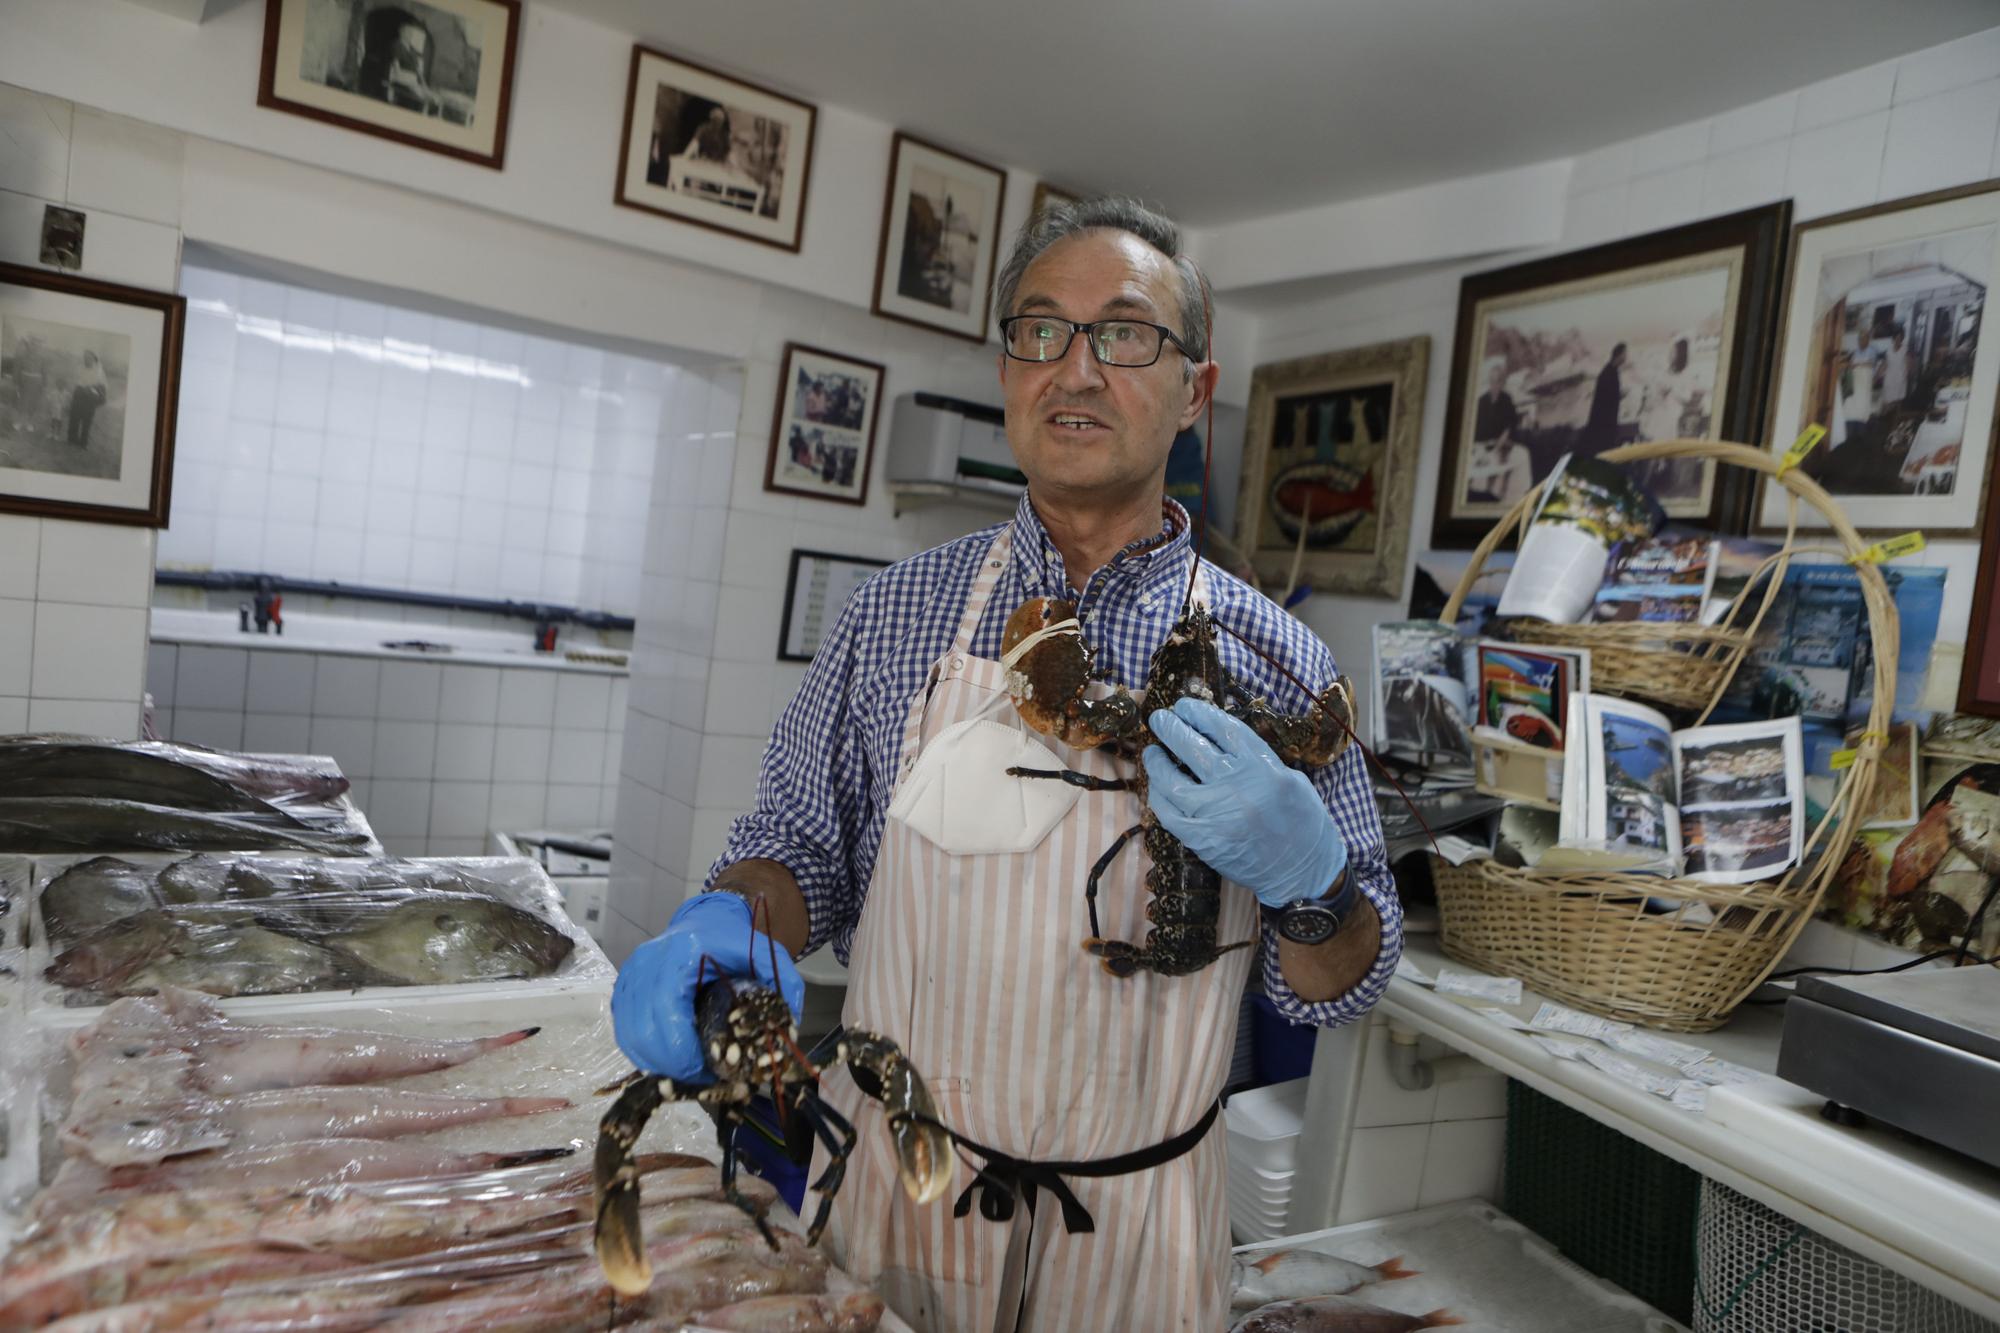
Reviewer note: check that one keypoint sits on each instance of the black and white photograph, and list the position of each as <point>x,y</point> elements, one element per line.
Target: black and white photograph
<point>1525,833</point>
<point>823,425</point>
<point>88,378</point>
<point>940,233</point>
<point>1660,337</point>
<point>434,74</point>
<point>705,147</point>
<point>62,237</point>
<point>1752,769</point>
<point>1883,346</point>
<point>1737,840</point>
<point>1421,692</point>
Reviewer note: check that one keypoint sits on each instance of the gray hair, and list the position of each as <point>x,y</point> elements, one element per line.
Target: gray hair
<point>1117,212</point>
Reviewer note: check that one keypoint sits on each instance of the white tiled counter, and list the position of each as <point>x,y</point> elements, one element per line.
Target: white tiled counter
<point>440,752</point>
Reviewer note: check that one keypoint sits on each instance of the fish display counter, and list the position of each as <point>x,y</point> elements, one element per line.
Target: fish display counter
<point>77,794</point>
<point>379,1164</point>
<point>1457,1265</point>
<point>249,928</point>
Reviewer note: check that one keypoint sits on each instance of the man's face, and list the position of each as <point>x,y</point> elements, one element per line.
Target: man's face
<point>1080,429</point>
<point>410,44</point>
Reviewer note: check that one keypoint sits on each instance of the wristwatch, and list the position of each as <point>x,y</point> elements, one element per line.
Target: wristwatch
<point>1317,920</point>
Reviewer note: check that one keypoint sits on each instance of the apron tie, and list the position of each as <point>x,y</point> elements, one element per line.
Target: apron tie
<point>1005,1177</point>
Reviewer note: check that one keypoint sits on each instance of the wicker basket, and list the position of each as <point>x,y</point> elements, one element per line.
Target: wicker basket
<point>1586,938</point>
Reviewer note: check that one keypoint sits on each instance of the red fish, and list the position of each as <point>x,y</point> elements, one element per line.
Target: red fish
<point>1336,1314</point>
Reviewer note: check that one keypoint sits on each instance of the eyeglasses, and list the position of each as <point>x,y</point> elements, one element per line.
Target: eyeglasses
<point>1130,343</point>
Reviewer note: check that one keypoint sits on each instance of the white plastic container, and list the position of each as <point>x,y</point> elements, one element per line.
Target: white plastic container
<point>1263,1125</point>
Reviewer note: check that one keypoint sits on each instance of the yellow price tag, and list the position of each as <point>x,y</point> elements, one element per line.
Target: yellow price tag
<point>1843,759</point>
<point>1808,438</point>
<point>1908,544</point>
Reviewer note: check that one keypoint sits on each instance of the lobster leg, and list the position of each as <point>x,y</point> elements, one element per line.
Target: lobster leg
<point>837,1133</point>
<point>726,1120</point>
<point>1087,781</point>
<point>1097,873</point>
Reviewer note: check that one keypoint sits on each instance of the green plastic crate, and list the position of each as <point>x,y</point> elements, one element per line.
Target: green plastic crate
<point>1614,1206</point>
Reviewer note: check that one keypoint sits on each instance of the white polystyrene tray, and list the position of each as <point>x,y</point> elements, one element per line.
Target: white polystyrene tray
<point>1485,1268</point>
<point>586,970</point>
<point>1267,1113</point>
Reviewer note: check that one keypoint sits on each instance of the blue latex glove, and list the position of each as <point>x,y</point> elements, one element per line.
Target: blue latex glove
<point>652,1004</point>
<point>1255,821</point>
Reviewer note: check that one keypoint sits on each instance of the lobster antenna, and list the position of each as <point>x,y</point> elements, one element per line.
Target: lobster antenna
<point>1358,743</point>
<point>1207,442</point>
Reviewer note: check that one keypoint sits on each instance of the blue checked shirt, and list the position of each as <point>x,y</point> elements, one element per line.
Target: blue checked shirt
<point>831,766</point>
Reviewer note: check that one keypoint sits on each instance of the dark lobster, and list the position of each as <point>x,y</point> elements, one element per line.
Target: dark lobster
<point>1050,668</point>
<point>750,1044</point>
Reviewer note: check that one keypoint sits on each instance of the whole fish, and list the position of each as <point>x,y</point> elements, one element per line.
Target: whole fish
<point>219,950</point>
<point>101,1289</point>
<point>47,825</point>
<point>1336,1314</point>
<point>113,1132</point>
<point>93,894</point>
<point>857,1312</point>
<point>1285,1275</point>
<point>150,767</point>
<point>440,938</point>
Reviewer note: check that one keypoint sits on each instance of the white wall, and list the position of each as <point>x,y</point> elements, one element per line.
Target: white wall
<point>73,596</point>
<point>1924,122</point>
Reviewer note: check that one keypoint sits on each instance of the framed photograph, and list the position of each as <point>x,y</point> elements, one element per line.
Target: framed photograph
<point>823,427</point>
<point>940,233</point>
<point>1883,343</point>
<point>435,74</point>
<point>89,377</point>
<point>1659,337</point>
<point>1046,194</point>
<point>818,586</point>
<point>1330,468</point>
<point>704,147</point>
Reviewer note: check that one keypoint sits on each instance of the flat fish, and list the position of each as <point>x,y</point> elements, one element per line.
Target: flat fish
<point>216,950</point>
<point>440,939</point>
<point>44,825</point>
<point>858,1312</point>
<point>1290,1274</point>
<point>93,894</point>
<point>1336,1314</point>
<point>120,1133</point>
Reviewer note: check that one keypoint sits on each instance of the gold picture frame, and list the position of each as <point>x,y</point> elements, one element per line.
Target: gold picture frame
<point>1339,431</point>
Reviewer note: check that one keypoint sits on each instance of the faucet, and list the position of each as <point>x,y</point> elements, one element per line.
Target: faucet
<point>545,630</point>
<point>270,606</point>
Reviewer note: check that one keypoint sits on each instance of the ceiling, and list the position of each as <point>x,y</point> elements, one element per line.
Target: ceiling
<point>1226,109</point>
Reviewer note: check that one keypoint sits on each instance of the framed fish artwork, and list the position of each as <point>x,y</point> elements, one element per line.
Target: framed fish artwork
<point>1329,468</point>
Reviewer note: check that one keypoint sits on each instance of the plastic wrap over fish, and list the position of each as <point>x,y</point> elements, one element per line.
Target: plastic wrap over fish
<point>412,1166</point>
<point>66,793</point>
<point>234,925</point>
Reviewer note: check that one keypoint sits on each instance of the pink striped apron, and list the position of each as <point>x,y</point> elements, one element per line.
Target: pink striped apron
<point>973,964</point>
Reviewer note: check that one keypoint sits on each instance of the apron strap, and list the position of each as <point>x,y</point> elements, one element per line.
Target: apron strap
<point>1004,1177</point>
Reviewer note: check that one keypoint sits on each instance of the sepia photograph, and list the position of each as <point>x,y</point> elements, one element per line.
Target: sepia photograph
<point>823,432</point>
<point>434,74</point>
<point>940,235</point>
<point>1329,467</point>
<point>89,373</point>
<point>1884,348</point>
<point>1659,337</point>
<point>704,147</point>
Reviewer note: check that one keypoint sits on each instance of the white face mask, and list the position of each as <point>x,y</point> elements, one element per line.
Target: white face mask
<point>959,795</point>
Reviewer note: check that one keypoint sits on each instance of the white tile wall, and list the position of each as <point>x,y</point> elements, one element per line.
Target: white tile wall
<point>73,595</point>
<point>420,740</point>
<point>343,434</point>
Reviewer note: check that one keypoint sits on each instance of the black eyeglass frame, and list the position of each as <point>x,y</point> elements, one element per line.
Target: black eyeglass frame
<point>1167,335</point>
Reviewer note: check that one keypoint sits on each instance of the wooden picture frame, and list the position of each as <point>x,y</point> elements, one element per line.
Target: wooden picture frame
<point>76,356</point>
<point>812,605</point>
<point>1343,428</point>
<point>1979,672</point>
<point>823,425</point>
<point>356,66</point>
<point>941,222</point>
<point>1692,307</point>
<point>1900,289</point>
<point>1046,194</point>
<point>744,160</point>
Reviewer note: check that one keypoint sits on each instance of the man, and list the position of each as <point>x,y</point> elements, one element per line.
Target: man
<point>91,390</point>
<point>959,904</point>
<point>1895,370</point>
<point>1600,432</point>
<point>1501,468</point>
<point>395,61</point>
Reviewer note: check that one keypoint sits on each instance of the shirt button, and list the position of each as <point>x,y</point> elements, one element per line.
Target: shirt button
<point>993,564</point>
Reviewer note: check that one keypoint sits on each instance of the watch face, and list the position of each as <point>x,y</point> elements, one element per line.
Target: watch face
<point>1308,923</point>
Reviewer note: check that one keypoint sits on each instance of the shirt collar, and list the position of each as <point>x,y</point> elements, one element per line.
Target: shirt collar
<point>1148,562</point>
